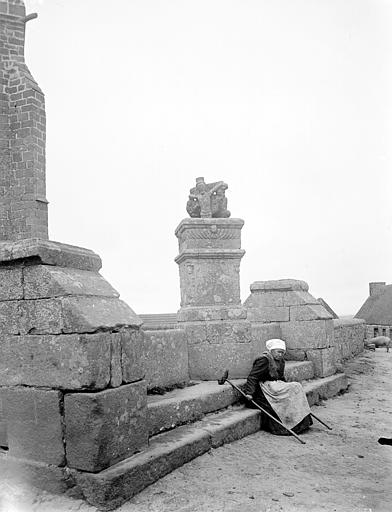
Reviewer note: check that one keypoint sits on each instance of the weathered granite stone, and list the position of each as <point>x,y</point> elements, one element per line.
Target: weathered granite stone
<point>69,361</point>
<point>45,281</point>
<point>269,314</point>
<point>11,287</point>
<point>280,285</point>
<point>41,316</point>
<point>116,370</point>
<point>261,332</point>
<point>210,282</point>
<point>132,361</point>
<point>50,253</point>
<point>215,333</point>
<point>210,361</point>
<point>10,317</point>
<point>34,424</point>
<point>205,313</point>
<point>106,427</point>
<point>309,312</point>
<point>323,361</point>
<point>308,334</point>
<point>89,314</point>
<point>294,354</point>
<point>166,357</point>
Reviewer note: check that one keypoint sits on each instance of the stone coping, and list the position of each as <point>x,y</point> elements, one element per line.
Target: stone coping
<point>340,322</point>
<point>280,285</point>
<point>205,254</point>
<point>50,253</point>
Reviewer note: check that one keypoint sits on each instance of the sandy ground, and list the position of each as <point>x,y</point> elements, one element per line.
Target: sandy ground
<point>343,470</point>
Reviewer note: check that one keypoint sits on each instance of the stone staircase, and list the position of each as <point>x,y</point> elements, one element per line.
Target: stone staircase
<point>186,423</point>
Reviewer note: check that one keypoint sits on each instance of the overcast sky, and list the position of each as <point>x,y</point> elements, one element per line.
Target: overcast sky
<point>287,101</point>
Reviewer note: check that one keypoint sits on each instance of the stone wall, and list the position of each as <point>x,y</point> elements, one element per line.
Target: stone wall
<point>23,205</point>
<point>165,357</point>
<point>72,386</point>
<point>378,330</point>
<point>349,335</point>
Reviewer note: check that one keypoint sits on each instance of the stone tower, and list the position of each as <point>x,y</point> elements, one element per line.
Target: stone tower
<point>23,204</point>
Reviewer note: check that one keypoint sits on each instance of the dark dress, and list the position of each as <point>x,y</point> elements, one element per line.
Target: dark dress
<point>260,372</point>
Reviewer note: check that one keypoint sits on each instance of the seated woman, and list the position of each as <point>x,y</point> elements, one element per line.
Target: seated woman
<point>286,401</point>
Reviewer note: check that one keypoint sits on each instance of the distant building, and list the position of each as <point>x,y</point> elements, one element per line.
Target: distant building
<point>328,308</point>
<point>377,310</point>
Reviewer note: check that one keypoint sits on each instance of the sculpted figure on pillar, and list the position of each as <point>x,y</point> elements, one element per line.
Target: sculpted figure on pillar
<point>208,200</point>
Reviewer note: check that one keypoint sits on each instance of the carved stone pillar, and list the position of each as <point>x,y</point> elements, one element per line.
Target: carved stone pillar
<point>211,313</point>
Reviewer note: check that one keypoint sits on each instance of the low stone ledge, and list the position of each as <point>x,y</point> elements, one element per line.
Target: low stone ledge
<point>50,253</point>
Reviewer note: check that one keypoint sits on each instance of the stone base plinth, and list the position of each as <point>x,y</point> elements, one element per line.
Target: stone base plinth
<point>72,388</point>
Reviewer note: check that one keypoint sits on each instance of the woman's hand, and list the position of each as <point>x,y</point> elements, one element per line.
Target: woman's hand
<point>249,397</point>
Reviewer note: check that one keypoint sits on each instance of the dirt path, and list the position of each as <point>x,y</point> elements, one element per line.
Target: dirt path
<point>343,470</point>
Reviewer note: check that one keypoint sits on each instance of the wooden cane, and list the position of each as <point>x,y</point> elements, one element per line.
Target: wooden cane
<point>225,379</point>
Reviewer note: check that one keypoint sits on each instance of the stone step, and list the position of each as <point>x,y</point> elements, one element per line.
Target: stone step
<point>190,404</point>
<point>167,451</point>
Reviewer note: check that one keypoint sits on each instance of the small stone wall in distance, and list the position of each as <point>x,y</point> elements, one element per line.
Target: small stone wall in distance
<point>349,338</point>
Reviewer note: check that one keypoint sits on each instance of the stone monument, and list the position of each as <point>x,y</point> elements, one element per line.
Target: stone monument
<point>217,331</point>
<point>72,388</point>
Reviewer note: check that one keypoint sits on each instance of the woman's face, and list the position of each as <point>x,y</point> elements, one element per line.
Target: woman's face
<point>277,353</point>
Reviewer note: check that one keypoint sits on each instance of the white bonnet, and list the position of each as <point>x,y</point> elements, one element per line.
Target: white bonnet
<point>275,343</point>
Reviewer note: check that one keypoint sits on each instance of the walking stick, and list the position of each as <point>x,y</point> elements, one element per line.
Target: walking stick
<point>225,379</point>
<point>318,419</point>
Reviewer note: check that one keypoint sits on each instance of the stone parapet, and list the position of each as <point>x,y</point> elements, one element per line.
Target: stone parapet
<point>304,323</point>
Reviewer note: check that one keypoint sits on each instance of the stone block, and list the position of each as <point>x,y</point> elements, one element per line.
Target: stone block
<point>323,361</point>
<point>295,354</point>
<point>42,316</point>
<point>64,361</point>
<point>208,362</point>
<point>262,332</point>
<point>195,333</point>
<point>116,370</point>
<point>166,357</point>
<point>205,313</point>
<point>132,354</point>
<point>171,412</point>
<point>298,298</point>
<point>232,425</point>
<point>258,300</point>
<point>308,334</point>
<point>269,314</point>
<point>10,317</point>
<point>228,332</point>
<point>279,285</point>
<point>309,312</point>
<point>34,424</point>
<point>89,314</point>
<point>50,253</point>
<point>106,427</point>
<point>45,281</point>
<point>11,283</point>
<point>210,280</point>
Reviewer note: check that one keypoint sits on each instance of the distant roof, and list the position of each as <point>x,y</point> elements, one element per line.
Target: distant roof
<point>159,319</point>
<point>377,309</point>
<point>328,308</point>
